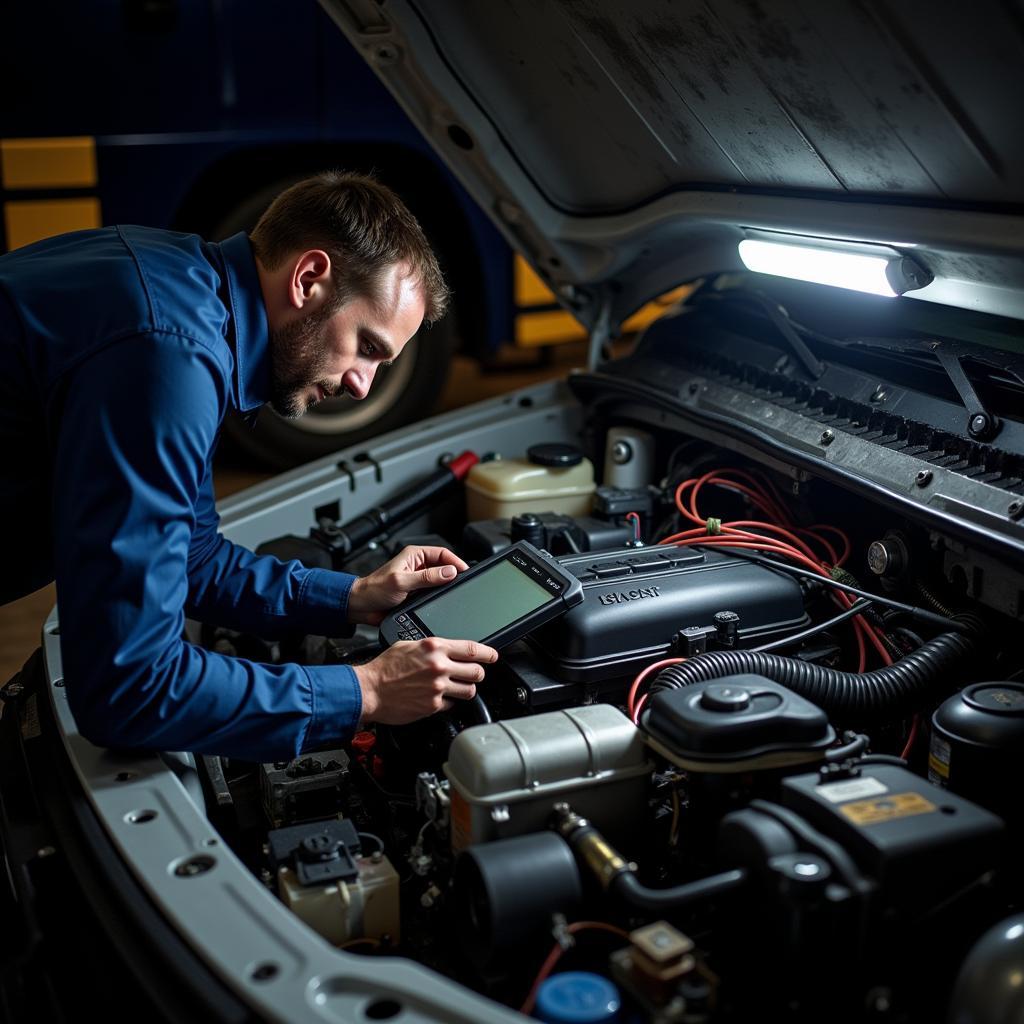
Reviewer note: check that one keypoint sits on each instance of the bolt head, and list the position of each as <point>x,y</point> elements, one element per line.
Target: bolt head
<point>621,453</point>
<point>878,558</point>
<point>521,695</point>
<point>827,437</point>
<point>1015,509</point>
<point>924,478</point>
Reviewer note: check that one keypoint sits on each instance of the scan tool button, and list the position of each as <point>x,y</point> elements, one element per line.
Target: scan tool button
<point>605,572</point>
<point>402,618</point>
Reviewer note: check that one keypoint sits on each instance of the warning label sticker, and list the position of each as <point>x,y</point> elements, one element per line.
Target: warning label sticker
<point>889,808</point>
<point>850,789</point>
<point>938,761</point>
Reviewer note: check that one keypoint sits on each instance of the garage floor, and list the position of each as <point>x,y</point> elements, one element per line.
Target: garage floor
<point>21,621</point>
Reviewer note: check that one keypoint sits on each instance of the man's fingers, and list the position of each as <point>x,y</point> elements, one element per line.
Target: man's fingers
<point>460,691</point>
<point>422,578</point>
<point>440,556</point>
<point>470,650</point>
<point>466,672</point>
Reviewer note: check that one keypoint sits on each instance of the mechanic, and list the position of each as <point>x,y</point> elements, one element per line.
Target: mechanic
<point>121,351</point>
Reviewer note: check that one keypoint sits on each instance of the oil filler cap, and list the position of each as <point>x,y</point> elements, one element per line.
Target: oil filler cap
<point>725,698</point>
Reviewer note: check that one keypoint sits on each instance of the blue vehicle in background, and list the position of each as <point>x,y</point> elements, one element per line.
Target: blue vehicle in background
<point>193,115</point>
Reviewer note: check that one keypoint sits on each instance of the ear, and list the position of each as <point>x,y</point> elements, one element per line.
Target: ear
<point>310,283</point>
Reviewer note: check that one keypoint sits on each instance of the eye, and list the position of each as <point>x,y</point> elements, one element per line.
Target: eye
<point>368,349</point>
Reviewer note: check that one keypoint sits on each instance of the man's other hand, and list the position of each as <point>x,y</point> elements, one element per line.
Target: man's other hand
<point>413,679</point>
<point>413,568</point>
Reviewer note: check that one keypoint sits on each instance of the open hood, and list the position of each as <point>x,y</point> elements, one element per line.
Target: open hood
<point>626,148</point>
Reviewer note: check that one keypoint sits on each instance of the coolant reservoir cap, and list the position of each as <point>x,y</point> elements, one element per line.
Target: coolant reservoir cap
<point>554,455</point>
<point>578,997</point>
<point>725,698</point>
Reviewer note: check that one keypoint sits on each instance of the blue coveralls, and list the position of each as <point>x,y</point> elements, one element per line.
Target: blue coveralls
<point>121,350</point>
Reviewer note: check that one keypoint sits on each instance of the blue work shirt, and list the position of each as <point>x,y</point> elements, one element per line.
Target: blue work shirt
<point>121,350</point>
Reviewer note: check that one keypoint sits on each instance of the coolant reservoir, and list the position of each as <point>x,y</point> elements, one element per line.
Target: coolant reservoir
<point>552,478</point>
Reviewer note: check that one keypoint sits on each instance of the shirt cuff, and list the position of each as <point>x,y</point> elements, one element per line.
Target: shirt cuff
<point>323,598</point>
<point>337,706</point>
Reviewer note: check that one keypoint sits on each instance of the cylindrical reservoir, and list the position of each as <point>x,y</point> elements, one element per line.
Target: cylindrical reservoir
<point>977,739</point>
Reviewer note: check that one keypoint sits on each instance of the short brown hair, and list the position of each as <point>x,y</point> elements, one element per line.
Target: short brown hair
<point>361,224</point>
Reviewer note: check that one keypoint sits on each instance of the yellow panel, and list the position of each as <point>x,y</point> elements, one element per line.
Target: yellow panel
<point>550,328</point>
<point>533,329</point>
<point>29,220</point>
<point>649,313</point>
<point>530,290</point>
<point>48,163</point>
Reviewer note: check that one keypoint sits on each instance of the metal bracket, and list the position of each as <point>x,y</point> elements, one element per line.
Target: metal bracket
<point>981,424</point>
<point>600,335</point>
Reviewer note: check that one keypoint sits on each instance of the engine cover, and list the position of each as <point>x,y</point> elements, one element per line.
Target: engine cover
<point>633,603</point>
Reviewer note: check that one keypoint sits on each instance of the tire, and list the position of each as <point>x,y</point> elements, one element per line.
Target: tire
<point>402,393</point>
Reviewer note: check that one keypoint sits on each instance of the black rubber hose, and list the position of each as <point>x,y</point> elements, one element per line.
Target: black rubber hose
<point>660,901</point>
<point>892,689</point>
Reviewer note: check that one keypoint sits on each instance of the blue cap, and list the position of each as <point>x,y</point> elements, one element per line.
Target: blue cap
<point>577,997</point>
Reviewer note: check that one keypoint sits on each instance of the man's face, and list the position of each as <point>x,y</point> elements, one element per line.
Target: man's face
<point>335,351</point>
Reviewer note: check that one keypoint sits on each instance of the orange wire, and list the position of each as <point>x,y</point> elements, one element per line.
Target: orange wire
<point>644,674</point>
<point>790,546</point>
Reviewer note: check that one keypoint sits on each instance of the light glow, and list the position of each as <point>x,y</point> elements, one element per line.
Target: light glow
<point>859,271</point>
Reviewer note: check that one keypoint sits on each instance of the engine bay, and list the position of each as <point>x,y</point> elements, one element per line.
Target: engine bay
<point>758,769</point>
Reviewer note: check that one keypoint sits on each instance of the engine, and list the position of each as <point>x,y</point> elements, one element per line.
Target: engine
<point>767,767</point>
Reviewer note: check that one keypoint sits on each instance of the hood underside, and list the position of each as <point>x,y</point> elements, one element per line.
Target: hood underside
<point>626,148</point>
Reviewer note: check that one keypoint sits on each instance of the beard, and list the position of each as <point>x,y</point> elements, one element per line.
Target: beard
<point>298,361</point>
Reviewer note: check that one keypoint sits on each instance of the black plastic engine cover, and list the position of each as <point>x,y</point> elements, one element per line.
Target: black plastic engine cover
<point>633,603</point>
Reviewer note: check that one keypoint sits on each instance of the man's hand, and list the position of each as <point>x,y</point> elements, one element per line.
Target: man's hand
<point>414,679</point>
<point>413,568</point>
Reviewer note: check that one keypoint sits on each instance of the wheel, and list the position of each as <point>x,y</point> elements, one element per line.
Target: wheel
<point>402,393</point>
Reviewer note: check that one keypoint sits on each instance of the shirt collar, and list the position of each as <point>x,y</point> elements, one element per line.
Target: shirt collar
<point>249,321</point>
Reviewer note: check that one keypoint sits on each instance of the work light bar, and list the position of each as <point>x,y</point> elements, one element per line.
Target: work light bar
<point>883,272</point>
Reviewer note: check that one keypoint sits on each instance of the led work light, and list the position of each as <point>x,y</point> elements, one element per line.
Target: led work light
<point>861,267</point>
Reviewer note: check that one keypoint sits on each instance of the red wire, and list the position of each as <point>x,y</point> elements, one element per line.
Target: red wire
<point>635,520</point>
<point>785,541</point>
<point>556,954</point>
<point>639,707</point>
<point>641,676</point>
<point>915,723</point>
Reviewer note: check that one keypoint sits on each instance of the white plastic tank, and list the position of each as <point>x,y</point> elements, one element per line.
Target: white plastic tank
<point>552,478</point>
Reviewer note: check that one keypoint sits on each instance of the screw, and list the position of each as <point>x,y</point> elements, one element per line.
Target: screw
<point>981,426</point>
<point>879,395</point>
<point>194,866</point>
<point>15,690</point>
<point>827,437</point>
<point>924,478</point>
<point>521,695</point>
<point>1015,510</point>
<point>59,684</point>
<point>621,453</point>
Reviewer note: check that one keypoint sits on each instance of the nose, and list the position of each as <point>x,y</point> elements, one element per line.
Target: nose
<point>357,383</point>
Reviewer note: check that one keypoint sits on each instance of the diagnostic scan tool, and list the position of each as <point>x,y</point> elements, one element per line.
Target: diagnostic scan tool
<point>495,602</point>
